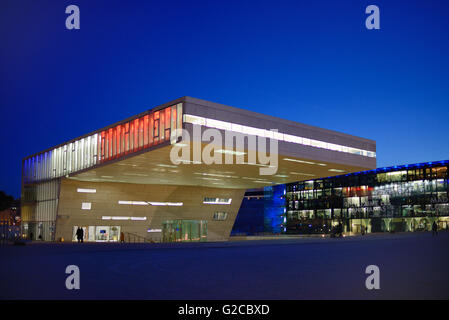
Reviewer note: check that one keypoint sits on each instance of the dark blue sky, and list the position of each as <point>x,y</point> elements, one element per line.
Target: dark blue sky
<point>309,61</point>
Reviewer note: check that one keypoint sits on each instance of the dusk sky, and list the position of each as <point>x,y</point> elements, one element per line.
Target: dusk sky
<point>308,61</point>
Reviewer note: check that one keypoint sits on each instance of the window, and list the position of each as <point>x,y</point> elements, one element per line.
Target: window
<point>134,203</point>
<point>98,233</point>
<point>174,204</point>
<point>220,216</point>
<point>217,200</point>
<point>86,206</point>
<point>439,172</point>
<point>309,185</point>
<point>86,190</point>
<point>123,218</point>
<point>107,233</point>
<point>382,177</point>
<point>156,124</point>
<point>152,203</point>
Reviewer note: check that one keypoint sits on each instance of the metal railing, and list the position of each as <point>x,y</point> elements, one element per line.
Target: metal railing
<point>135,238</point>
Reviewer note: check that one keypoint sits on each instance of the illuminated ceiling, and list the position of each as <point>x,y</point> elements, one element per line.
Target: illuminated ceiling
<point>155,167</point>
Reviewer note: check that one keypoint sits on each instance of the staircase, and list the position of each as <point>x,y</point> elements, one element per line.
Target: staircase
<point>135,238</point>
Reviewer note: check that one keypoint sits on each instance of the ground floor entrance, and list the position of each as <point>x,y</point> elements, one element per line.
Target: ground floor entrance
<point>38,230</point>
<point>184,230</point>
<point>98,233</point>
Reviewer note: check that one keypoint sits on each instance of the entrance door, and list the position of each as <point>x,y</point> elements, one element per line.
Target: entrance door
<point>102,233</point>
<point>98,233</point>
<point>85,233</point>
<point>184,230</point>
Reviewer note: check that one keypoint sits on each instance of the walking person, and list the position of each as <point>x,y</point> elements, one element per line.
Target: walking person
<point>79,234</point>
<point>340,230</point>
<point>434,229</point>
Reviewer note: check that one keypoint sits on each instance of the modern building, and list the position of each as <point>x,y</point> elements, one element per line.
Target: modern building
<point>121,180</point>
<point>394,199</point>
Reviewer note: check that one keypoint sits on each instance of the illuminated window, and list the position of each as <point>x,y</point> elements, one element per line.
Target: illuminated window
<point>217,201</point>
<point>220,216</point>
<point>123,218</point>
<point>146,203</point>
<point>134,203</point>
<point>173,204</point>
<point>86,206</point>
<point>86,190</point>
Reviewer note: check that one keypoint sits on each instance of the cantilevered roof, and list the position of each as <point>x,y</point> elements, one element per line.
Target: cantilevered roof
<point>304,152</point>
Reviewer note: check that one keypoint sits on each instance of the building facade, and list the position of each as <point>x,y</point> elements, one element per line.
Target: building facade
<point>122,180</point>
<point>393,199</point>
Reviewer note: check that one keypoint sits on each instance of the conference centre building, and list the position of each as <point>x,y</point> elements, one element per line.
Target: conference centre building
<point>179,172</point>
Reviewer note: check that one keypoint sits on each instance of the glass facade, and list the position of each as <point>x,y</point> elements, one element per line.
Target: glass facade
<point>400,198</point>
<point>274,209</point>
<point>38,230</point>
<point>250,217</point>
<point>144,131</point>
<point>262,212</point>
<point>140,133</point>
<point>39,208</point>
<point>184,230</point>
<point>41,173</point>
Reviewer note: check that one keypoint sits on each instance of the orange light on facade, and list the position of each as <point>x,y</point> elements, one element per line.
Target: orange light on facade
<point>137,134</point>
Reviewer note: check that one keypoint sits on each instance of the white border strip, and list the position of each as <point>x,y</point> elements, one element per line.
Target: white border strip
<point>223,125</point>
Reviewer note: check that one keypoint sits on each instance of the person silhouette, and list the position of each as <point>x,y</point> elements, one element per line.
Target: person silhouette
<point>434,229</point>
<point>79,234</point>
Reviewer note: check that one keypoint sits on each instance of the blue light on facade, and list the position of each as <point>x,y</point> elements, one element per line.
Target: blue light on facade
<point>274,205</point>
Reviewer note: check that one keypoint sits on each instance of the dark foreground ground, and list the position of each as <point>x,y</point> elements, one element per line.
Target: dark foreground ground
<point>411,266</point>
